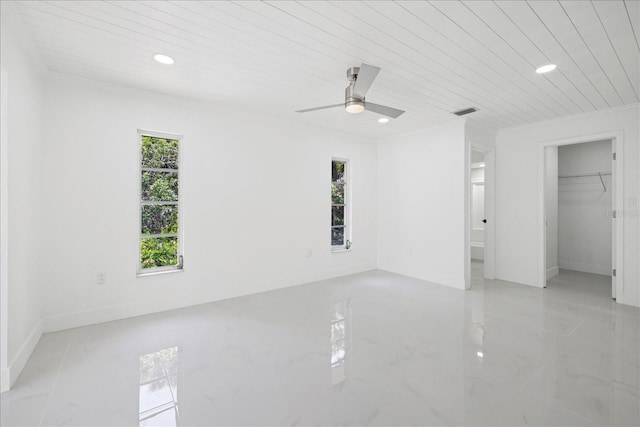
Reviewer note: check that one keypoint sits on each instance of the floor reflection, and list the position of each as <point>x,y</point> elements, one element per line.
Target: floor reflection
<point>159,388</point>
<point>401,352</point>
<point>340,336</point>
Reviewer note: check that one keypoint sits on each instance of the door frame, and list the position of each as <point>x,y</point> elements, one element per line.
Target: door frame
<point>4,229</point>
<point>617,138</point>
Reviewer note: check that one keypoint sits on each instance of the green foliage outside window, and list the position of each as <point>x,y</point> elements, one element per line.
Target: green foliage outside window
<point>159,212</point>
<point>337,193</point>
<point>337,202</point>
<point>337,183</point>
<point>159,186</point>
<point>159,252</point>
<point>159,152</point>
<point>159,219</point>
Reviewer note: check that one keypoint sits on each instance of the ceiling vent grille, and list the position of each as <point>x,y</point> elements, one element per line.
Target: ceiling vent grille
<point>465,111</point>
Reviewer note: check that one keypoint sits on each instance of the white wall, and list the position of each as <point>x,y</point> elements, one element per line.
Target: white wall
<point>423,194</point>
<point>518,255</point>
<point>551,207</point>
<point>477,211</point>
<point>21,165</point>
<point>477,174</point>
<point>477,156</point>
<point>255,194</point>
<point>584,231</point>
<point>477,215</point>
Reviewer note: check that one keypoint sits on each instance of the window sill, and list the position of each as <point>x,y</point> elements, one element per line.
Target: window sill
<point>158,273</point>
<point>334,251</point>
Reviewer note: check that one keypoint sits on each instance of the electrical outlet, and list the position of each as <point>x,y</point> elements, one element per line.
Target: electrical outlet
<point>101,278</point>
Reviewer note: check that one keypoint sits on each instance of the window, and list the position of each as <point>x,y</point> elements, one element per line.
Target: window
<point>340,212</point>
<point>160,243</point>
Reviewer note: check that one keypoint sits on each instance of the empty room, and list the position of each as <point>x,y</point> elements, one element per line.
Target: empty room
<point>335,213</point>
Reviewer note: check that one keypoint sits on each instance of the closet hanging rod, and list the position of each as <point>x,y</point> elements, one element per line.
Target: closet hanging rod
<point>599,174</point>
<point>585,174</point>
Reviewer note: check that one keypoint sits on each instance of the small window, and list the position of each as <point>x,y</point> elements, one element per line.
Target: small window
<point>340,208</point>
<point>160,242</point>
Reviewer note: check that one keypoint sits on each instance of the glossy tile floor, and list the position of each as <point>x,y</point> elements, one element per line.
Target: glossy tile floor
<point>369,349</point>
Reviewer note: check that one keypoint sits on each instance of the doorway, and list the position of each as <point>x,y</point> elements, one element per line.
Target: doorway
<point>478,217</point>
<point>480,214</point>
<point>580,183</point>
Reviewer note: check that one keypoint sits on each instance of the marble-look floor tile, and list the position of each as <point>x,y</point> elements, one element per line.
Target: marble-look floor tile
<point>581,387</point>
<point>23,411</point>
<point>373,348</point>
<point>488,402</point>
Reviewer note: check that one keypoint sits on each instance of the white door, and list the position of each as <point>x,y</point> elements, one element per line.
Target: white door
<point>613,220</point>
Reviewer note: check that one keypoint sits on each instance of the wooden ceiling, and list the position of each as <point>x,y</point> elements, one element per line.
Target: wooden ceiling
<point>279,56</point>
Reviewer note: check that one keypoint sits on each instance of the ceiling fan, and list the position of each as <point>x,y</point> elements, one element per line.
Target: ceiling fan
<point>360,80</point>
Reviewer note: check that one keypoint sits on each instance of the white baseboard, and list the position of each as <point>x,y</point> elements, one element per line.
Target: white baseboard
<point>108,314</point>
<point>11,373</point>
<point>452,282</point>
<point>585,268</point>
<point>552,272</point>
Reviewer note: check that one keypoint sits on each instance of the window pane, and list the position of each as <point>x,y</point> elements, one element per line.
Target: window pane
<point>159,219</point>
<point>337,171</point>
<point>337,193</point>
<point>337,215</point>
<point>159,252</point>
<point>337,236</point>
<point>159,152</point>
<point>160,186</point>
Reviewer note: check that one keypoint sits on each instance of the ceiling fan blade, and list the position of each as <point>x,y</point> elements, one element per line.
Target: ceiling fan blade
<point>320,108</point>
<point>394,113</point>
<point>366,76</point>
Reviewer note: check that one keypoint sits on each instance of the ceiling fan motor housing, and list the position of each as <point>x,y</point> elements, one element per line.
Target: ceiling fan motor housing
<point>349,98</point>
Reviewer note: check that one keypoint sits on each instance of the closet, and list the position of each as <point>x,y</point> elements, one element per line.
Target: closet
<point>579,211</point>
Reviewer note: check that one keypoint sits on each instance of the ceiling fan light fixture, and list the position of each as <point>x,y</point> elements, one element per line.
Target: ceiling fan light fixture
<point>354,107</point>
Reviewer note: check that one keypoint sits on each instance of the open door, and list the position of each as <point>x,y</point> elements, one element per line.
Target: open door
<point>613,219</point>
<point>4,242</point>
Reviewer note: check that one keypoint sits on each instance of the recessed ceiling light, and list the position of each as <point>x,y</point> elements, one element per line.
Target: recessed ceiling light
<point>480,354</point>
<point>546,68</point>
<point>383,120</point>
<point>163,59</point>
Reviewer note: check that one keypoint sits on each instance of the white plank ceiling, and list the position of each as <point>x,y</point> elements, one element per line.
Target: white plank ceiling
<point>436,57</point>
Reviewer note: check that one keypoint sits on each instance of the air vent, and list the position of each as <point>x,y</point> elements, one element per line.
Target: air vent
<point>465,111</point>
